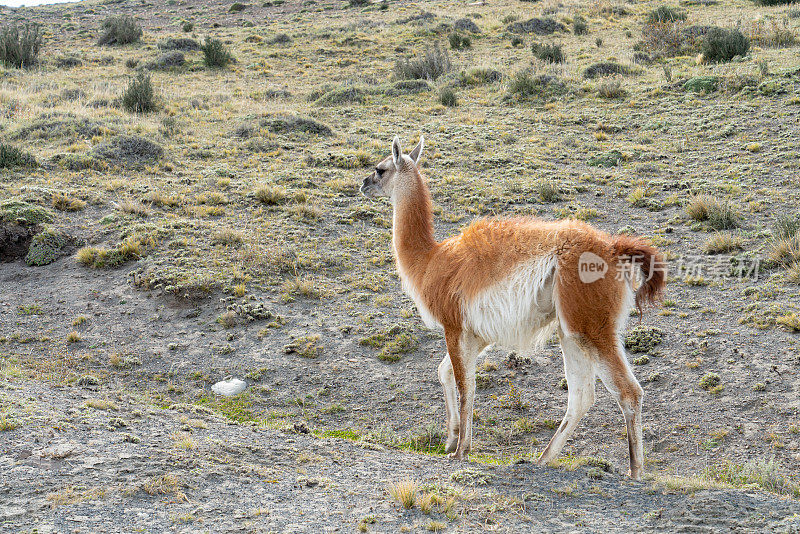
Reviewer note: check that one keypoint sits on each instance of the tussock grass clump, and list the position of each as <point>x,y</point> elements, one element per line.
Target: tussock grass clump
<point>20,48</point>
<point>764,474</point>
<point>448,97</point>
<point>524,85</point>
<point>120,30</point>
<point>392,343</point>
<point>785,248</point>
<point>663,14</point>
<point>722,242</point>
<point>786,226</point>
<point>281,38</point>
<point>305,347</point>
<point>539,26</point>
<point>63,202</point>
<point>430,65</point>
<point>293,124</point>
<point>701,84</point>
<point>579,26</point>
<point>459,42</point>
<point>606,68</point>
<point>720,45</point>
<point>183,44</point>
<point>407,87</point>
<point>475,76</point>
<point>667,38</point>
<point>129,150</point>
<point>271,195</point>
<point>772,33</point>
<point>774,2</point>
<point>719,214</point>
<point>139,97</point>
<point>342,95</point>
<point>790,321</point>
<point>710,381</point>
<point>466,25</point>
<point>216,54</point>
<point>11,157</point>
<point>611,87</point>
<point>404,492</point>
<point>643,339</point>
<point>548,191</point>
<point>166,61</point>
<point>549,53</point>
<point>100,258</point>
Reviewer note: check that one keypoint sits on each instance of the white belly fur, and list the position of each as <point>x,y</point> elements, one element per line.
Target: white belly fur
<point>519,311</point>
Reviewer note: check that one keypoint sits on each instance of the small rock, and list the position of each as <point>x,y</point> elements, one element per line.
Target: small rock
<point>229,387</point>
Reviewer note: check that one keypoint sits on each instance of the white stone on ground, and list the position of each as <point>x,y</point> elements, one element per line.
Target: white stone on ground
<point>229,387</point>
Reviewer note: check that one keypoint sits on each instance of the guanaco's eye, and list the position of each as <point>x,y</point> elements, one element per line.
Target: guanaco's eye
<point>379,172</point>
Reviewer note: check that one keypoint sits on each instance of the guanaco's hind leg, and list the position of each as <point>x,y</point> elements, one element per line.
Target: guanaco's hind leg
<point>579,368</point>
<point>464,349</point>
<point>618,378</point>
<point>448,381</point>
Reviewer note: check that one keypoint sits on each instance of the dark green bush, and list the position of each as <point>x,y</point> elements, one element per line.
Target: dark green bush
<point>459,42</point>
<point>448,97</point>
<point>11,156</point>
<point>721,45</point>
<point>550,53</point>
<point>187,27</point>
<point>138,97</point>
<point>120,30</point>
<point>236,7</point>
<point>20,49</point>
<point>216,54</point>
<point>579,26</point>
<point>665,14</point>
<point>281,38</point>
<point>430,65</point>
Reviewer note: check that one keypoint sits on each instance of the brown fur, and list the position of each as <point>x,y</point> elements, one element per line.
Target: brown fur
<point>446,276</point>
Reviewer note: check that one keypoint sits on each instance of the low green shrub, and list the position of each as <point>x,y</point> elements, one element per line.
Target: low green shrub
<point>720,45</point>
<point>120,30</point>
<point>139,97</point>
<point>19,48</point>
<point>216,54</point>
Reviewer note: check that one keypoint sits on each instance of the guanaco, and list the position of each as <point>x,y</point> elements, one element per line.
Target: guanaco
<point>511,282</point>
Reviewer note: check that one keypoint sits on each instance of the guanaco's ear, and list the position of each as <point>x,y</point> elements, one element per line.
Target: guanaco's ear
<point>397,152</point>
<point>417,152</point>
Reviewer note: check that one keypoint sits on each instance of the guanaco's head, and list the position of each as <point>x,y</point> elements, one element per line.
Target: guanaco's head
<point>387,173</point>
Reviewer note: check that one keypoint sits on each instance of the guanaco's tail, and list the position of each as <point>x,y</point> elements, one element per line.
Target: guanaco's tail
<point>654,270</point>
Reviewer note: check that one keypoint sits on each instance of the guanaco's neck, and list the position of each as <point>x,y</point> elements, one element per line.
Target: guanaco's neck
<point>412,232</point>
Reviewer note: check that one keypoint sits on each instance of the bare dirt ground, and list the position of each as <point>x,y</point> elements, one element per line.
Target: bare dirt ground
<point>242,248</point>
